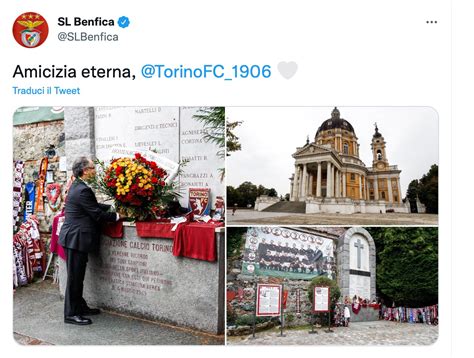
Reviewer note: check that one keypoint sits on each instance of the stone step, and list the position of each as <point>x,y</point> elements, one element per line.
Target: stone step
<point>295,207</point>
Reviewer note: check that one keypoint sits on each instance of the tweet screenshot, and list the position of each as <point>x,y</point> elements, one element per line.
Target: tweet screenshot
<point>256,176</point>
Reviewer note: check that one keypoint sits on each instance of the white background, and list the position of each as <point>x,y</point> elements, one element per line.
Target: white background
<point>354,53</point>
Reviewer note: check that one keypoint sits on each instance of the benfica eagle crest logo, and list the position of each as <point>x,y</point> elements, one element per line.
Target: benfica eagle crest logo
<point>30,29</point>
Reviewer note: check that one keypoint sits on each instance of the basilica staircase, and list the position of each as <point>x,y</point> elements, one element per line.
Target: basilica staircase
<point>294,207</point>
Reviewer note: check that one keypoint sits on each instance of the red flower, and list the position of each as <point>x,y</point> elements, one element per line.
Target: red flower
<point>118,170</point>
<point>154,180</point>
<point>138,155</point>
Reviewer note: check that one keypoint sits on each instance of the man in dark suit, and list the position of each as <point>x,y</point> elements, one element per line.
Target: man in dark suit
<point>80,235</point>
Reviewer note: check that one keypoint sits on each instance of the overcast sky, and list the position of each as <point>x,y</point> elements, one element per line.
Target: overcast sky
<point>270,135</point>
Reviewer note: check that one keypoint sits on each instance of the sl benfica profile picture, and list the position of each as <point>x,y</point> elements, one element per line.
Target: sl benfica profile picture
<point>30,29</point>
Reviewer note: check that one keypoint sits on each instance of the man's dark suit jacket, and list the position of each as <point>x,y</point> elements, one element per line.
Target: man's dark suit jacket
<point>81,228</point>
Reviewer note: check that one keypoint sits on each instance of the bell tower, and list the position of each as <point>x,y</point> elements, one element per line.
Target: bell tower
<point>379,161</point>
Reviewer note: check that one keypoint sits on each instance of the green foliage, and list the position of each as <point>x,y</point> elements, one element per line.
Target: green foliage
<point>231,315</point>
<point>324,281</point>
<point>289,317</point>
<point>426,189</point>
<point>429,190</point>
<point>335,293</point>
<point>213,119</point>
<point>246,193</point>
<point>235,241</point>
<point>247,320</point>
<point>407,265</point>
<point>233,144</point>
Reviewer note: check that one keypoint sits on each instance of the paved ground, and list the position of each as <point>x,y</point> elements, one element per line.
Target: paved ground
<point>38,319</point>
<point>246,217</point>
<point>363,333</point>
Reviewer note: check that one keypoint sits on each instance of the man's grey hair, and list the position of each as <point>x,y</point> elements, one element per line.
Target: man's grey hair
<point>79,165</point>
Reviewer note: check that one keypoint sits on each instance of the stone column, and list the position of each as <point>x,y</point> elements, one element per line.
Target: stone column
<point>338,183</point>
<point>318,181</point>
<point>344,177</point>
<point>295,184</point>
<point>390,193</point>
<point>333,180</point>
<point>303,181</point>
<point>376,188</point>
<point>360,187</point>
<point>310,185</point>
<point>367,196</point>
<point>79,133</point>
<point>328,180</point>
<point>399,191</point>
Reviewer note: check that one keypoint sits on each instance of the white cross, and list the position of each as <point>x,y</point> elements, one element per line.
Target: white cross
<point>359,246</point>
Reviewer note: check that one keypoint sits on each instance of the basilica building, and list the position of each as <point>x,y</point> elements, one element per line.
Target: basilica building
<point>330,176</point>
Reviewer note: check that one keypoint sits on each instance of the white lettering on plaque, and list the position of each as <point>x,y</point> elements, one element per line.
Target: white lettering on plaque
<point>172,132</point>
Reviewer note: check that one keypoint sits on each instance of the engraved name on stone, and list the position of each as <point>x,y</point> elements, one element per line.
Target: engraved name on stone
<point>128,272</point>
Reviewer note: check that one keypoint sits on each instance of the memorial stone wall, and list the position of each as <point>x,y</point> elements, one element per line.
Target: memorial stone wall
<point>170,131</point>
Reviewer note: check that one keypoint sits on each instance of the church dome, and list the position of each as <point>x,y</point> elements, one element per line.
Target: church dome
<point>335,122</point>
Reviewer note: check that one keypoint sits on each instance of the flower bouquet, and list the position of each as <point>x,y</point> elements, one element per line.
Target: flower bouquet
<point>138,187</point>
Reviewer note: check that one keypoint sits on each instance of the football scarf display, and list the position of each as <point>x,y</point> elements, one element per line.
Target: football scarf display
<point>425,315</point>
<point>30,200</point>
<point>39,204</point>
<point>17,190</point>
<point>28,251</point>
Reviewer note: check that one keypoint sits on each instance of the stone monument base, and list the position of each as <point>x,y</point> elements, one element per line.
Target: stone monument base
<point>141,277</point>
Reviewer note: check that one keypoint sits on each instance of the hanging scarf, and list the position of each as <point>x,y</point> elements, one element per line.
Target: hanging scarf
<point>29,233</point>
<point>39,205</point>
<point>17,195</point>
<point>356,307</point>
<point>29,201</point>
<point>19,247</point>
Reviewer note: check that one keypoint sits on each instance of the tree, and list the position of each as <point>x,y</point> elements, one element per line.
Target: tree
<point>272,193</point>
<point>213,119</point>
<point>407,265</point>
<point>233,196</point>
<point>334,294</point>
<point>233,144</point>
<point>235,241</point>
<point>261,190</point>
<point>428,193</point>
<point>412,194</point>
<point>426,190</point>
<point>248,192</point>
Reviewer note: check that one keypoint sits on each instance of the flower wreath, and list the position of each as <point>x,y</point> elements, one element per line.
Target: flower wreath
<point>54,200</point>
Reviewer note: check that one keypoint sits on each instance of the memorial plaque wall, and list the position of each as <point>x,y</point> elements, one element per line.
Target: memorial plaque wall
<point>172,131</point>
